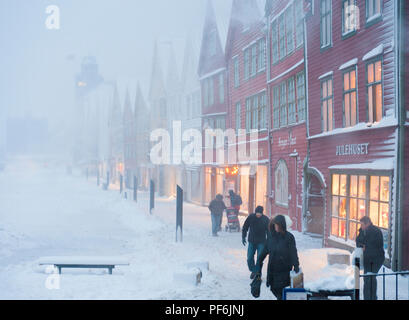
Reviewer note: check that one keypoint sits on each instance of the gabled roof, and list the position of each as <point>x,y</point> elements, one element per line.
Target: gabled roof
<point>128,114</point>
<point>210,61</point>
<point>244,13</point>
<point>157,88</point>
<point>172,77</point>
<point>140,105</point>
<point>190,78</point>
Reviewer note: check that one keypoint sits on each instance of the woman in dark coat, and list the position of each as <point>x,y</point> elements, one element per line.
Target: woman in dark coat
<point>283,256</point>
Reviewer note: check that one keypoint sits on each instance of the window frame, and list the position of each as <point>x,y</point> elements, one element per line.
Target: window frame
<point>368,62</point>
<point>301,97</point>
<point>276,107</point>
<point>236,71</point>
<point>322,104</point>
<point>330,12</point>
<point>275,48</point>
<point>348,92</point>
<point>368,175</point>
<point>347,34</point>
<point>370,20</point>
<point>283,104</point>
<point>299,21</point>
<point>292,114</point>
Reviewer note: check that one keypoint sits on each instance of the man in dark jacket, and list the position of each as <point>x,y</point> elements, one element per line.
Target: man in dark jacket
<point>216,208</point>
<point>257,223</point>
<point>370,238</point>
<point>283,257</point>
<point>235,200</point>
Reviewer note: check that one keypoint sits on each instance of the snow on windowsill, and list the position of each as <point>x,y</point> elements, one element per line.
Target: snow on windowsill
<point>374,52</point>
<point>325,75</point>
<point>384,123</point>
<point>374,17</point>
<point>348,64</point>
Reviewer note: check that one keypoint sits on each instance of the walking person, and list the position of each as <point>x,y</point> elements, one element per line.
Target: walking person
<point>235,200</point>
<point>216,208</point>
<point>257,223</point>
<point>282,251</point>
<point>370,239</point>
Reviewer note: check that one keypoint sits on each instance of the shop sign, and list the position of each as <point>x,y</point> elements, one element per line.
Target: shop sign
<point>352,149</point>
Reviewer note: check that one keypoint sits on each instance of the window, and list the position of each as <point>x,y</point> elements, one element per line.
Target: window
<point>374,91</point>
<point>274,41</point>
<point>350,16</point>
<point>253,60</point>
<point>350,99</point>
<point>261,54</point>
<point>283,104</point>
<point>373,8</point>
<point>254,112</point>
<point>246,64</point>
<point>292,115</point>
<point>326,21</point>
<point>221,88</point>
<point>263,111</point>
<point>281,184</point>
<point>248,115</point>
<point>281,35</point>
<point>301,96</point>
<point>236,72</point>
<point>289,25</point>
<point>238,115</point>
<point>276,107</point>
<point>354,196</point>
<point>299,22</point>
<point>327,110</point>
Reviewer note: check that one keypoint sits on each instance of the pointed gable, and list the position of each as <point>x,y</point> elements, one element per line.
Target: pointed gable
<point>141,112</point>
<point>211,52</point>
<point>244,14</point>
<point>190,79</point>
<point>128,114</point>
<point>157,87</point>
<point>172,79</point>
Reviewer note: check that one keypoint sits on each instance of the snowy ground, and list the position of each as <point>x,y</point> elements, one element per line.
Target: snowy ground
<point>45,212</point>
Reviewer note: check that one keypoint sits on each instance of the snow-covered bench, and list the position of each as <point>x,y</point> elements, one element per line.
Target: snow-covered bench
<point>84,262</point>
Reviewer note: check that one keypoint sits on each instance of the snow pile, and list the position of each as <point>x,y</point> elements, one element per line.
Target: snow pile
<point>318,275</point>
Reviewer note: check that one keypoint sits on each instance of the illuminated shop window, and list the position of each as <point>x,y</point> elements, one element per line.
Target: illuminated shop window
<point>356,196</point>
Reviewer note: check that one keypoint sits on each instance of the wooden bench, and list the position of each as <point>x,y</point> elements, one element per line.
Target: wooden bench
<point>84,262</point>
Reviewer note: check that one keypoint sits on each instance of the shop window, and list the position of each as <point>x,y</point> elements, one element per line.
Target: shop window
<point>281,183</point>
<point>350,118</point>
<point>374,91</point>
<point>356,196</point>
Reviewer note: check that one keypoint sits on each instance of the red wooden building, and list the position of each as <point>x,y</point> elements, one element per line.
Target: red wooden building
<point>286,79</point>
<point>354,122</point>
<point>246,65</point>
<point>212,76</point>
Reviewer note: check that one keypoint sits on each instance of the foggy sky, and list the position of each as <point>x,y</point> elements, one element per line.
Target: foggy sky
<point>38,79</point>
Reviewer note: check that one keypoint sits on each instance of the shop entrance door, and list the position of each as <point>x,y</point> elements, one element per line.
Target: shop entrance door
<point>316,206</point>
<point>252,191</point>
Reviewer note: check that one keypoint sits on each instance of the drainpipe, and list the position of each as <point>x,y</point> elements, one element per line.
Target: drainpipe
<point>268,46</point>
<point>399,40</point>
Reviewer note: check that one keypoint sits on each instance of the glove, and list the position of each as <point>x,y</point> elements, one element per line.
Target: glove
<point>296,269</point>
<point>244,241</point>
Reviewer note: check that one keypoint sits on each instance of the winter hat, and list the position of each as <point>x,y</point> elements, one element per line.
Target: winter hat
<point>259,209</point>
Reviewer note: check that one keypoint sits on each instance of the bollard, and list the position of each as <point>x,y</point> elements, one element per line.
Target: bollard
<point>152,197</point>
<point>357,278</point>
<point>179,214</point>
<point>135,189</point>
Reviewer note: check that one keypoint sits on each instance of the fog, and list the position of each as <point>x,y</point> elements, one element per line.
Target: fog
<point>38,65</point>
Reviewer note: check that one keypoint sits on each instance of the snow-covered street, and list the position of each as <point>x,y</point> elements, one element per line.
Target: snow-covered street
<point>45,212</point>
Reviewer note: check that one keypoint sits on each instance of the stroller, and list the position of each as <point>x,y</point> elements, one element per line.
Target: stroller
<point>233,223</point>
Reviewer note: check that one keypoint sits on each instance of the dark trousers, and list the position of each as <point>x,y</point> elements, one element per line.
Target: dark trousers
<point>371,283</point>
<point>251,251</point>
<point>278,293</point>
